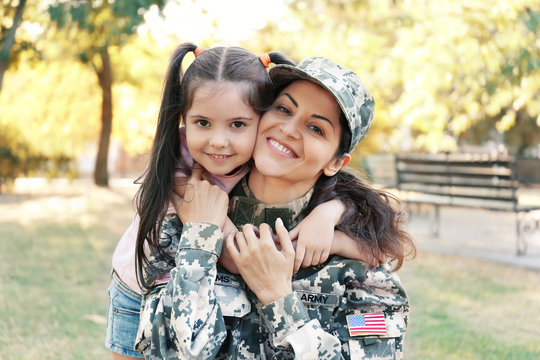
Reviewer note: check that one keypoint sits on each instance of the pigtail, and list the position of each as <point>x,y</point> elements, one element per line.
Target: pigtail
<point>279,58</point>
<point>155,193</point>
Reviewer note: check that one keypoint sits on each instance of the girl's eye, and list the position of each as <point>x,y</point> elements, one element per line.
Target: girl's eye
<point>316,129</point>
<point>238,124</point>
<point>203,123</point>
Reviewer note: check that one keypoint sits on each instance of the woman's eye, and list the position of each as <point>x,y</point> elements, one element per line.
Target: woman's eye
<point>316,129</point>
<point>202,123</point>
<point>282,109</point>
<point>237,124</point>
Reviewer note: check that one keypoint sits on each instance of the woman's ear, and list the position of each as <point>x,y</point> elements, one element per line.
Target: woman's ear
<point>337,164</point>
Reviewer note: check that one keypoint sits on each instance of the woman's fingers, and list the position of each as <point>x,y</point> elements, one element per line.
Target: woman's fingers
<point>284,238</point>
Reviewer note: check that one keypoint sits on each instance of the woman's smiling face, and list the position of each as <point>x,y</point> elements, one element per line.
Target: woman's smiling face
<point>298,137</point>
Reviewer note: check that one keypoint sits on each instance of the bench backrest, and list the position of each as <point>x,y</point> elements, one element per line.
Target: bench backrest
<point>474,180</point>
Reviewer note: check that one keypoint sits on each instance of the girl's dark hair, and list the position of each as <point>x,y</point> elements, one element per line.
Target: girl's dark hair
<point>372,216</point>
<point>232,64</point>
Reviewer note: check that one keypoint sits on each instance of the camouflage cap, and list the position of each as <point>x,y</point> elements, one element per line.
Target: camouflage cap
<point>348,89</point>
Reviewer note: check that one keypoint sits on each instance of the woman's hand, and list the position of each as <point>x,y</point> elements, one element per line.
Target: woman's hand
<point>265,269</point>
<point>203,202</point>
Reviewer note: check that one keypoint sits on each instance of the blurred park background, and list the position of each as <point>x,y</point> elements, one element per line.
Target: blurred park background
<point>80,86</point>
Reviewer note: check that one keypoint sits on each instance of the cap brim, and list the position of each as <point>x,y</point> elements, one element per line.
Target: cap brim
<point>283,75</point>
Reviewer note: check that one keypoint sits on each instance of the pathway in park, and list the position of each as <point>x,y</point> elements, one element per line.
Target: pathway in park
<point>480,233</point>
<point>469,232</point>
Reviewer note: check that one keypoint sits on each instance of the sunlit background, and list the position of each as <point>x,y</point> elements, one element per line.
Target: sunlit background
<point>80,87</point>
<point>446,75</point>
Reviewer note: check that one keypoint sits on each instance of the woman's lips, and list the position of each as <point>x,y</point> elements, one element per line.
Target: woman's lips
<point>280,148</point>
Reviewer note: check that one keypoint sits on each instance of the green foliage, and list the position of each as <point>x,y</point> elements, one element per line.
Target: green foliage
<point>98,24</point>
<point>46,117</point>
<point>437,69</point>
<point>27,36</point>
<point>141,65</point>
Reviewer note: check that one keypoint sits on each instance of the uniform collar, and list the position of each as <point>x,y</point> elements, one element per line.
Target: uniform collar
<point>246,209</point>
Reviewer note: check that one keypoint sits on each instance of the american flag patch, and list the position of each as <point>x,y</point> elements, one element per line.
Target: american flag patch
<point>366,324</point>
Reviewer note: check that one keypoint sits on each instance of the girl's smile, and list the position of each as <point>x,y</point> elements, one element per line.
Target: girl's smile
<point>220,127</point>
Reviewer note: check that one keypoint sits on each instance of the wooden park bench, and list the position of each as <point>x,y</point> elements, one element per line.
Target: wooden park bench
<point>465,180</point>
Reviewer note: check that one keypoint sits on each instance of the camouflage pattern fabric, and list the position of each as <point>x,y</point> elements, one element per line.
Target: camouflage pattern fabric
<point>204,312</point>
<point>345,85</point>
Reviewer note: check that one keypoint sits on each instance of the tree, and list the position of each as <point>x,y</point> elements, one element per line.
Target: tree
<point>95,27</point>
<point>8,32</point>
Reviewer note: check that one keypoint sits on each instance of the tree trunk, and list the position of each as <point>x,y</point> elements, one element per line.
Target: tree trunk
<point>10,40</point>
<point>101,176</point>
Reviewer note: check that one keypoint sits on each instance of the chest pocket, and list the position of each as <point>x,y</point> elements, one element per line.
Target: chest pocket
<point>231,295</point>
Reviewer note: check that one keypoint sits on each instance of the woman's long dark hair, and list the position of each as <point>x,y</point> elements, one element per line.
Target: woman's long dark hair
<point>232,64</point>
<point>372,216</point>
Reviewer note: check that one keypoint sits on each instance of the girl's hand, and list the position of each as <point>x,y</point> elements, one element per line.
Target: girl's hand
<point>351,248</point>
<point>315,234</point>
<point>203,202</point>
<point>225,258</point>
<point>266,270</point>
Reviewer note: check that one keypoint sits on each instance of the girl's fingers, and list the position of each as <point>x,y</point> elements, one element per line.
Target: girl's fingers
<point>324,256</point>
<point>294,233</point>
<point>231,246</point>
<point>308,259</point>
<point>299,256</point>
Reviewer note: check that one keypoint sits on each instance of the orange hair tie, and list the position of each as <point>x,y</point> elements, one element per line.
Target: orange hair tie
<point>198,51</point>
<point>265,59</point>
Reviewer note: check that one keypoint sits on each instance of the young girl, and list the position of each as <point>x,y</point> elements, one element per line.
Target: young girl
<point>340,309</point>
<point>219,99</point>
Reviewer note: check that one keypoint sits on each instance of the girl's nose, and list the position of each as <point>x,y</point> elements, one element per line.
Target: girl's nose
<point>219,140</point>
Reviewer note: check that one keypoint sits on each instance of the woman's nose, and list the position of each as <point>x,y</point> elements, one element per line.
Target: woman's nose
<point>289,127</point>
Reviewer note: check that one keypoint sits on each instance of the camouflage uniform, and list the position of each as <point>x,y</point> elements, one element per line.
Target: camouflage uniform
<point>350,92</point>
<point>204,312</point>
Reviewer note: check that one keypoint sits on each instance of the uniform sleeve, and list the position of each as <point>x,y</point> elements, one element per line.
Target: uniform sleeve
<point>289,325</point>
<point>182,318</point>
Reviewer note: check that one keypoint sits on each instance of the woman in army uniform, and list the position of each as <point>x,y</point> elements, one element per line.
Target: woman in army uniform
<point>340,309</point>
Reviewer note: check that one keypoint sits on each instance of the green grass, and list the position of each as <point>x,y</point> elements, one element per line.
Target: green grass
<point>55,260</point>
<point>55,252</point>
<point>464,308</point>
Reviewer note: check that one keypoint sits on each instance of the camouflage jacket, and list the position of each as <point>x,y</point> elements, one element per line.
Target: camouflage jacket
<point>204,312</point>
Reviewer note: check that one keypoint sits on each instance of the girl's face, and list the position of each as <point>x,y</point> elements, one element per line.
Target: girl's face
<point>299,136</point>
<point>221,127</point>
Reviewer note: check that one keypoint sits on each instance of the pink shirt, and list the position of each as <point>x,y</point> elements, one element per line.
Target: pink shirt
<point>123,260</point>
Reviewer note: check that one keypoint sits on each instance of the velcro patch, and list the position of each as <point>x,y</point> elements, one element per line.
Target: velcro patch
<point>320,299</point>
<point>366,324</point>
